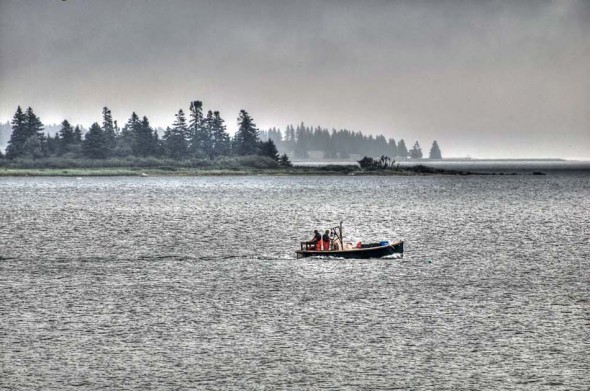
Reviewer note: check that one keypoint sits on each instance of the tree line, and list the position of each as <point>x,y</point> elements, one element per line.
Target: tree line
<point>200,136</point>
<point>300,140</point>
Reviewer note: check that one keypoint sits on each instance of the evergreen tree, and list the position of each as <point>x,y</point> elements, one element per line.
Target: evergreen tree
<point>33,147</point>
<point>33,123</point>
<point>94,145</point>
<point>160,150</point>
<point>78,135</point>
<point>175,138</point>
<point>67,137</point>
<point>416,151</point>
<point>435,151</point>
<point>269,149</point>
<point>284,161</point>
<point>302,142</point>
<point>246,138</point>
<point>221,140</point>
<point>208,141</point>
<point>52,145</point>
<point>126,141</point>
<point>198,136</point>
<point>19,135</point>
<point>144,142</point>
<point>289,138</point>
<point>392,147</point>
<point>109,129</point>
<point>402,151</point>
<point>25,126</point>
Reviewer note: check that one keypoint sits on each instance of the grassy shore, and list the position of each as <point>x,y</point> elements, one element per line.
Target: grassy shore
<point>236,165</point>
<point>188,171</point>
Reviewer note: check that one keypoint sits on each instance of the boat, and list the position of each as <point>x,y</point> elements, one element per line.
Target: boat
<point>341,249</point>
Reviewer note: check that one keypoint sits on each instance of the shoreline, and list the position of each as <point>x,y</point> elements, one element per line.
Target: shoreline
<point>419,170</point>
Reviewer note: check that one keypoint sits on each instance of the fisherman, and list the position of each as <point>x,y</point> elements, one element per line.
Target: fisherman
<point>316,240</point>
<point>326,240</point>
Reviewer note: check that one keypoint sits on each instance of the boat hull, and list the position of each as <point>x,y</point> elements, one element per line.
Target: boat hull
<point>357,253</point>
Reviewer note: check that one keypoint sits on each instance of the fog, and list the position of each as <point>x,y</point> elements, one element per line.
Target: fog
<point>485,79</point>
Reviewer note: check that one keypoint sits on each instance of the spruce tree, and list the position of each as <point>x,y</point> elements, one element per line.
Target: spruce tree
<point>392,148</point>
<point>208,141</point>
<point>25,126</point>
<point>284,161</point>
<point>94,145</point>
<point>126,141</point>
<point>34,145</point>
<point>175,138</point>
<point>221,140</point>
<point>67,137</point>
<point>303,141</point>
<point>18,136</point>
<point>246,138</point>
<point>435,151</point>
<point>144,142</point>
<point>197,132</point>
<point>269,149</point>
<point>416,151</point>
<point>78,135</point>
<point>402,150</point>
<point>109,129</point>
<point>51,145</point>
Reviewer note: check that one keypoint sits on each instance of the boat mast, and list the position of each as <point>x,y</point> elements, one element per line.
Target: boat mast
<point>341,236</point>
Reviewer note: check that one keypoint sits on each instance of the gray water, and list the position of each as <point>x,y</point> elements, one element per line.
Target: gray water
<point>192,283</point>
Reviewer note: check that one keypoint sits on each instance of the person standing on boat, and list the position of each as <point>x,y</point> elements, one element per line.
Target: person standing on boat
<point>317,240</point>
<point>326,240</point>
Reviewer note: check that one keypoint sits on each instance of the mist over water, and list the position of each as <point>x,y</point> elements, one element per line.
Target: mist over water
<point>160,283</point>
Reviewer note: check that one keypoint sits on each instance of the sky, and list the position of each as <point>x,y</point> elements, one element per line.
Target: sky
<point>486,79</point>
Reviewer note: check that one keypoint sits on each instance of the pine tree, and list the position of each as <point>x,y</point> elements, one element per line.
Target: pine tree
<point>51,145</point>
<point>94,145</point>
<point>269,149</point>
<point>67,137</point>
<point>402,150</point>
<point>109,129</point>
<point>33,147</point>
<point>144,143</point>
<point>197,133</point>
<point>160,151</point>
<point>416,151</point>
<point>246,138</point>
<point>18,136</point>
<point>435,151</point>
<point>221,140</point>
<point>284,161</point>
<point>303,141</point>
<point>175,138</point>
<point>392,148</point>
<point>208,142</point>
<point>25,126</point>
<point>126,141</point>
<point>78,135</point>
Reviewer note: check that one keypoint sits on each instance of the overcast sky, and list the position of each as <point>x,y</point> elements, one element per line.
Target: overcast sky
<point>484,78</point>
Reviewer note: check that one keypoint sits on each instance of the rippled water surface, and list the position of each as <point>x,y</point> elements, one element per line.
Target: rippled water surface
<point>180,283</point>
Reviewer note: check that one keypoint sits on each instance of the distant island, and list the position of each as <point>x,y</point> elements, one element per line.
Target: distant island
<point>197,143</point>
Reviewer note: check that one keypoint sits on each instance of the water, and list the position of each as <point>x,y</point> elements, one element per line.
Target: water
<point>184,283</point>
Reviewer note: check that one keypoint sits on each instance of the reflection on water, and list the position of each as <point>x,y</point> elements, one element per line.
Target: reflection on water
<point>150,283</point>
